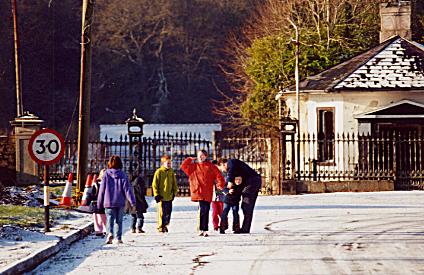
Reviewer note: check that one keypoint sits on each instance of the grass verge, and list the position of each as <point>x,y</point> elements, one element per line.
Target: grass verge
<point>24,216</point>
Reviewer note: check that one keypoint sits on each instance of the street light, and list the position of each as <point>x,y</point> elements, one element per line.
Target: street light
<point>135,131</point>
<point>296,75</point>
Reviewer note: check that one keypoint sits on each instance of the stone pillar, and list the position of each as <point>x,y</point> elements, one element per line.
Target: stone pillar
<point>7,161</point>
<point>395,19</point>
<point>23,128</point>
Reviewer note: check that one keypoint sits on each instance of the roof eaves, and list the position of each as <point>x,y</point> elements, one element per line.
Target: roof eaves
<point>403,101</point>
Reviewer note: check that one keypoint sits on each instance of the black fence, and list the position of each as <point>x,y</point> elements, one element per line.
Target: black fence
<point>383,156</point>
<point>253,147</point>
<point>143,156</point>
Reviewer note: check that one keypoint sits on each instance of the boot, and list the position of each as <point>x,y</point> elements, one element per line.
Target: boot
<point>223,226</point>
<point>236,227</point>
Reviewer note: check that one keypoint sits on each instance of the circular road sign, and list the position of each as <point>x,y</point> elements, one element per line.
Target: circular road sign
<point>46,146</point>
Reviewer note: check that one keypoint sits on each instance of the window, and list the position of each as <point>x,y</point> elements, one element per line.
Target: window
<point>325,134</point>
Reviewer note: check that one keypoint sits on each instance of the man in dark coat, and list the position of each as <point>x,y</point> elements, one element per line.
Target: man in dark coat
<point>251,186</point>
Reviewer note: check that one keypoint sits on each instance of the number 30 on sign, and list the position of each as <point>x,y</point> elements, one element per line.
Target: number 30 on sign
<point>46,146</point>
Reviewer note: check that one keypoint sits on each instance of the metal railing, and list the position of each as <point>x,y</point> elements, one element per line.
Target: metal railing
<point>383,156</point>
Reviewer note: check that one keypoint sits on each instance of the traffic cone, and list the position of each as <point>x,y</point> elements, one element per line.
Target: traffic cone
<point>95,179</point>
<point>66,199</point>
<point>87,189</point>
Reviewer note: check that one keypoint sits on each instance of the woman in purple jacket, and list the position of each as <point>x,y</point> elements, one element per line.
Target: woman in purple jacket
<point>115,189</point>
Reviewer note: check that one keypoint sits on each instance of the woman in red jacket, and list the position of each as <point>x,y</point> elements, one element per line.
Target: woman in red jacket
<point>201,175</point>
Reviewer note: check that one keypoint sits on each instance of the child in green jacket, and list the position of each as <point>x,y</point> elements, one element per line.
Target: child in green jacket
<point>164,190</point>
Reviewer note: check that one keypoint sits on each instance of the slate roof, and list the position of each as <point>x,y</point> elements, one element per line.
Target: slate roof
<point>395,64</point>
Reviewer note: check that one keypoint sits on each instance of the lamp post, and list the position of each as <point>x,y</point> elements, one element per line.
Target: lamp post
<point>135,132</point>
<point>296,75</point>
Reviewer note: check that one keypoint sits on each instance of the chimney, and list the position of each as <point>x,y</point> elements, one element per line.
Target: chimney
<point>395,19</point>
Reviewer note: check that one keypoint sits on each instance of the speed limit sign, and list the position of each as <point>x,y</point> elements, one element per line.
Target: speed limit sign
<point>46,146</point>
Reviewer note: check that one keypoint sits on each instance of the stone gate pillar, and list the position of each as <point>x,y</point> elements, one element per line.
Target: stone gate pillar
<point>23,128</point>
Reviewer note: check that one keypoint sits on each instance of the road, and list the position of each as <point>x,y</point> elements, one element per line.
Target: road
<point>339,233</point>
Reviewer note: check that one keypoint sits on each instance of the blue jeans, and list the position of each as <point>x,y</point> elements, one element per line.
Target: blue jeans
<point>224,216</point>
<point>115,215</point>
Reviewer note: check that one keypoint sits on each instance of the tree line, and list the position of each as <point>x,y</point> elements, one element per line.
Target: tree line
<point>178,61</point>
<point>160,57</point>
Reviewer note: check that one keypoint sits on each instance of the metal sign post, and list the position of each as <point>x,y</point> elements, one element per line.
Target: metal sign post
<point>46,147</point>
<point>46,199</point>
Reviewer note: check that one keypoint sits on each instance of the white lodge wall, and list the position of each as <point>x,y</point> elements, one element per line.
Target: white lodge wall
<point>346,105</point>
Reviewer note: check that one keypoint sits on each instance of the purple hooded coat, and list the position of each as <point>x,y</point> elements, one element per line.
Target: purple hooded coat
<point>115,189</point>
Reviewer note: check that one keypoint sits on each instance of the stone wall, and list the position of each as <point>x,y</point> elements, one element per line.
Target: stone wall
<point>345,186</point>
<point>7,161</point>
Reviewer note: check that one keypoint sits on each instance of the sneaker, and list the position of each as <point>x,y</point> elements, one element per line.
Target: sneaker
<point>109,239</point>
<point>120,241</point>
<point>141,230</point>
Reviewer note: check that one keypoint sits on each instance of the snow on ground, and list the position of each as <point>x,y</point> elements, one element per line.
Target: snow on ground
<point>17,243</point>
<point>337,233</point>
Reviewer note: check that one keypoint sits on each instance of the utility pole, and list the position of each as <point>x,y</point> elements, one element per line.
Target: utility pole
<point>296,76</point>
<point>85,94</point>
<point>19,105</point>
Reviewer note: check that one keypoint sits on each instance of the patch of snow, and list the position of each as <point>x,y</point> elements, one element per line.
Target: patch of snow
<point>334,233</point>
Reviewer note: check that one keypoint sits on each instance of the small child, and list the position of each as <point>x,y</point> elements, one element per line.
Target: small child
<point>99,216</point>
<point>217,208</point>
<point>164,190</point>
<point>141,205</point>
<point>232,200</point>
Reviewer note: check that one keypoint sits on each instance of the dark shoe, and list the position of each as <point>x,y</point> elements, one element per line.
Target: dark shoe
<point>100,235</point>
<point>236,227</point>
<point>241,232</point>
<point>141,230</point>
<point>221,231</point>
<point>216,228</point>
<point>165,229</point>
<point>133,230</point>
<point>120,241</point>
<point>109,239</point>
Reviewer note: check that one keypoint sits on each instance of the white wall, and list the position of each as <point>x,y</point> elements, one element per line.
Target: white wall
<point>346,104</point>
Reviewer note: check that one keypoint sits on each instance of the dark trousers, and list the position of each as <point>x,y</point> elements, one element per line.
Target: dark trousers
<point>204,207</point>
<point>137,219</point>
<point>166,210</point>
<point>249,196</point>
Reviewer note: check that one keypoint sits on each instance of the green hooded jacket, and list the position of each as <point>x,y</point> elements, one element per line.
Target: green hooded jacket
<point>165,183</point>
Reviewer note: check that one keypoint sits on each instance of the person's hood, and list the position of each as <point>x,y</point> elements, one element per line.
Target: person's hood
<point>115,173</point>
